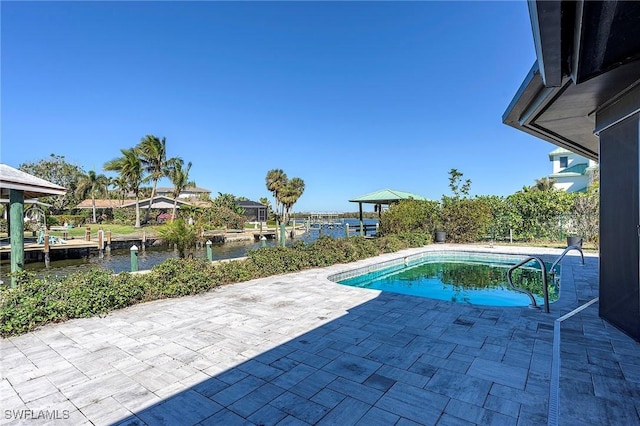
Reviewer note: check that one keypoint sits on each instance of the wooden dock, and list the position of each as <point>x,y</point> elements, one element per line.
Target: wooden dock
<point>34,246</point>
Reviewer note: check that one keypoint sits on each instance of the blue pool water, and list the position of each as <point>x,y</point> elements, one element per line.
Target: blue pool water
<point>475,282</point>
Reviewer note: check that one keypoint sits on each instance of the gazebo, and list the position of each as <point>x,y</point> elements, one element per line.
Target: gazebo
<point>17,186</point>
<point>383,197</point>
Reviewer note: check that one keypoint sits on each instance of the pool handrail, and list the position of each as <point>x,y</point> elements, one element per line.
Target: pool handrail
<point>545,290</point>
<point>569,248</point>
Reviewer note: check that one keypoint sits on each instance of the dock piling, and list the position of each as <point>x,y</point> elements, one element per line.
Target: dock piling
<point>87,233</point>
<point>134,258</point>
<point>100,243</point>
<point>209,251</point>
<point>47,259</point>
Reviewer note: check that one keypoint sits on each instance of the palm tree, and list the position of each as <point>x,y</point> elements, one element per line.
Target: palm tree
<point>92,184</point>
<point>180,179</point>
<point>276,181</point>
<point>291,193</point>
<point>265,201</point>
<point>130,169</point>
<point>153,154</point>
<point>120,187</point>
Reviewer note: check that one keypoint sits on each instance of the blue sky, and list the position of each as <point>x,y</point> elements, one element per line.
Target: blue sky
<point>351,97</point>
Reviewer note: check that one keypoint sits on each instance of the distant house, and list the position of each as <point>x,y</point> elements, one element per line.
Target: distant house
<point>253,211</point>
<point>572,172</point>
<point>191,192</point>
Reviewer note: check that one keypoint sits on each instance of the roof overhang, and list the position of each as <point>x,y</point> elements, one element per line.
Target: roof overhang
<point>31,186</point>
<point>587,59</point>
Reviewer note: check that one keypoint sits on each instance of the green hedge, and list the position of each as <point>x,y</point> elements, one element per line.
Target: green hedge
<point>38,301</point>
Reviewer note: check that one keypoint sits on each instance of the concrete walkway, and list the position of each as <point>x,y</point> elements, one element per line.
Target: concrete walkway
<point>299,349</point>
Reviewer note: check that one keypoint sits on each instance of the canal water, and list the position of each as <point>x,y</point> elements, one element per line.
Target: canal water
<point>120,260</point>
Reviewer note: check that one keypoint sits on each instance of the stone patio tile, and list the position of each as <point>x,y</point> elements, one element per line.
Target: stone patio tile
<point>517,357</point>
<point>517,395</point>
<point>233,393</point>
<point>231,376</point>
<point>398,357</point>
<point>267,416</point>
<point>459,386</point>
<point>610,388</point>
<point>377,417</point>
<point>599,411</point>
<point>188,407</point>
<point>300,408</point>
<point>293,376</point>
<point>497,372</point>
<point>476,414</point>
<point>447,364</point>
<point>352,367</point>
<point>291,421</point>
<point>105,411</point>
<point>210,387</point>
<point>223,417</point>
<point>308,358</point>
<point>254,401</point>
<point>136,398</point>
<point>258,369</point>
<point>379,382</point>
<point>414,403</point>
<point>313,383</point>
<point>348,412</point>
<point>403,376</point>
<point>449,420</point>
<point>328,398</point>
<point>407,422</point>
<point>53,402</point>
<point>357,390</point>
<point>34,389</point>
<point>503,406</point>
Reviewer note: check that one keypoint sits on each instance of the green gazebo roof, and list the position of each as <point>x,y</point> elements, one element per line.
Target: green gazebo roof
<point>386,196</point>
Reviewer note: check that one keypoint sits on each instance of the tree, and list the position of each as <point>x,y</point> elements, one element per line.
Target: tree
<point>57,170</point>
<point>292,191</point>
<point>265,201</point>
<point>181,234</point>
<point>153,155</point>
<point>464,219</point>
<point>92,184</point>
<point>276,181</point>
<point>120,187</point>
<point>544,184</point>
<point>227,201</point>
<point>180,180</point>
<point>455,181</point>
<point>130,169</point>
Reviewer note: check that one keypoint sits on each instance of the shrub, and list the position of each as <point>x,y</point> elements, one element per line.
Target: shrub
<point>465,219</point>
<point>180,234</point>
<point>179,277</point>
<point>409,216</point>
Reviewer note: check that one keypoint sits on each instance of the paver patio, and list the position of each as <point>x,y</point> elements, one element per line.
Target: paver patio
<point>299,349</point>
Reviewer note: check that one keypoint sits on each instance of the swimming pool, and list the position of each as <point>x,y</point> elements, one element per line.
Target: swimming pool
<point>470,278</point>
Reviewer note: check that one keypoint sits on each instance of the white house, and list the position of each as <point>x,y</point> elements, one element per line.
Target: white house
<point>572,172</point>
<point>189,192</point>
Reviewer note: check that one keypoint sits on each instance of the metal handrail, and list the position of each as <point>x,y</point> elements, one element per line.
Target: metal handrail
<point>553,266</point>
<point>545,290</point>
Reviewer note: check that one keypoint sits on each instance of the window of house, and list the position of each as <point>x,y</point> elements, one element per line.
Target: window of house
<point>564,162</point>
